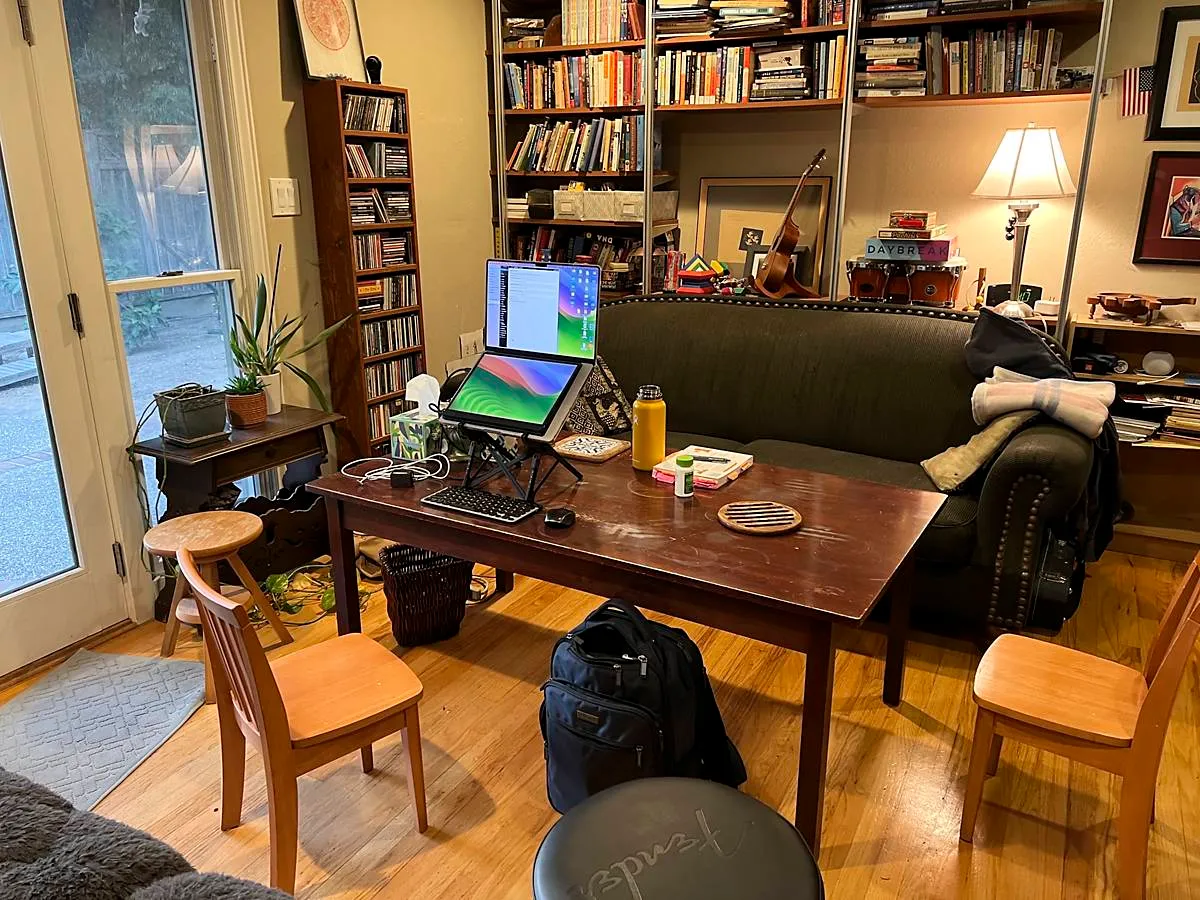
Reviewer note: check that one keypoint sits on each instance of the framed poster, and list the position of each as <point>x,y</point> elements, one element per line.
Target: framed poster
<point>331,40</point>
<point>1169,232</point>
<point>1175,103</point>
<point>733,209</point>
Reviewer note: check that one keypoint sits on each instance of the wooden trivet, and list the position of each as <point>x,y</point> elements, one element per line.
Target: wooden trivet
<point>761,517</point>
<point>587,448</point>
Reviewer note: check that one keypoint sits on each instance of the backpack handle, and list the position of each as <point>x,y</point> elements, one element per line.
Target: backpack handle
<point>636,618</point>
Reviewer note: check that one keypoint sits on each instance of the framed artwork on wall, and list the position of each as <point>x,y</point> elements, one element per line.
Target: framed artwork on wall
<point>1175,103</point>
<point>331,40</point>
<point>1169,232</point>
<point>732,209</point>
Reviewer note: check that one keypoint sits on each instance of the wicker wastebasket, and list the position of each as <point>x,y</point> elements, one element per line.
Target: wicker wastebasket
<point>426,593</point>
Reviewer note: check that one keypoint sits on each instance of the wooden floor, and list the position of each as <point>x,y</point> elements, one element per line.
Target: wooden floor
<point>895,776</point>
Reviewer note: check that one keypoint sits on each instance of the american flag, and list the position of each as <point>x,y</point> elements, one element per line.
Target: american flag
<point>1135,95</point>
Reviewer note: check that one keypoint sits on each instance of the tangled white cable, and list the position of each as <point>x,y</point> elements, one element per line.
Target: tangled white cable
<point>436,467</point>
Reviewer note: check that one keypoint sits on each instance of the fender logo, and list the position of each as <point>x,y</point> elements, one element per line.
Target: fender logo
<point>625,872</point>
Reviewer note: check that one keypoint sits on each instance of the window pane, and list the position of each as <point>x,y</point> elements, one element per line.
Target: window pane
<point>137,105</point>
<point>174,336</point>
<point>36,542</point>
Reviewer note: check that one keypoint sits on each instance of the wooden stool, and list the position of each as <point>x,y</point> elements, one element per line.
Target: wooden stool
<point>213,538</point>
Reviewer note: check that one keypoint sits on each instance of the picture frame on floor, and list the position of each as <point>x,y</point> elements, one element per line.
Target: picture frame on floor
<point>1175,103</point>
<point>331,39</point>
<point>1169,230</point>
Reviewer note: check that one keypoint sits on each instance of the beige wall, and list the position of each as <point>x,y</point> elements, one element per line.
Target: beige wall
<point>436,51</point>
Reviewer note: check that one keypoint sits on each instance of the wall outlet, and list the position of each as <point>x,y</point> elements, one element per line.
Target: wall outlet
<point>470,344</point>
<point>285,197</point>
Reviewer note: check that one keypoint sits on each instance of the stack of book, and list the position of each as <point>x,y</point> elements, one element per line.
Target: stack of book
<point>913,235</point>
<point>377,160</point>
<point>1182,425</point>
<point>1018,58</point>
<point>589,22</point>
<point>1133,431</point>
<point>599,145</point>
<point>366,112</point>
<point>612,78</point>
<point>695,77</point>
<point>961,7</point>
<point>518,207</point>
<point>547,244</point>
<point>524,32</point>
<point>783,72</point>
<point>683,17</point>
<point>895,10</point>
<point>890,67</point>
<point>750,17</point>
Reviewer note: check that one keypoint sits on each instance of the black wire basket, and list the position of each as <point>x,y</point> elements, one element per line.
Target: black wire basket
<point>426,593</point>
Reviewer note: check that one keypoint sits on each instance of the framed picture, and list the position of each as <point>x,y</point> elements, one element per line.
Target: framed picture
<point>1169,232</point>
<point>732,209</point>
<point>331,40</point>
<point>1175,103</point>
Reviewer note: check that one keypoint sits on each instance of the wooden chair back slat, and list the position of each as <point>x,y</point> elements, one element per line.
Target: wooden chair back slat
<point>1175,616</point>
<point>239,662</point>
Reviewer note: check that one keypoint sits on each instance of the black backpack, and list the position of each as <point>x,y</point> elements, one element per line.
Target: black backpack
<point>629,698</point>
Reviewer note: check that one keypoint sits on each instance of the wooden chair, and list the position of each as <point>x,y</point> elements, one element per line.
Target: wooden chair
<point>1091,710</point>
<point>213,537</point>
<point>302,711</point>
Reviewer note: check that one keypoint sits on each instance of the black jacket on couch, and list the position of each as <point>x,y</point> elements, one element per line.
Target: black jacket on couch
<point>862,391</point>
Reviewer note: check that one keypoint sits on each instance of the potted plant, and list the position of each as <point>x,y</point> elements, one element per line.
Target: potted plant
<point>265,348</point>
<point>246,401</point>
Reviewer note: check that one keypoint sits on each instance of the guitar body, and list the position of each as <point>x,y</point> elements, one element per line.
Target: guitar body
<point>776,278</point>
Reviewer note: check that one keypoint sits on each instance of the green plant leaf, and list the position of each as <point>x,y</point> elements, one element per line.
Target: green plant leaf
<point>260,307</point>
<point>319,339</point>
<point>328,599</point>
<point>280,338</point>
<point>322,400</point>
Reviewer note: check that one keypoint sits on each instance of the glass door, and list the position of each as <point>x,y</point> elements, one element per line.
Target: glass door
<point>59,579</point>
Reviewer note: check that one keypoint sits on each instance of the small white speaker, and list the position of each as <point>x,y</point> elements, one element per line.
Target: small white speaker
<point>1158,363</point>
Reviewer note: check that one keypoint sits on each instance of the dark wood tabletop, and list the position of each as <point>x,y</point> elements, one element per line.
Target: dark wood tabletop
<point>854,537</point>
<point>291,420</point>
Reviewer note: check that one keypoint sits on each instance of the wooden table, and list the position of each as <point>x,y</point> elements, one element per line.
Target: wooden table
<point>634,540</point>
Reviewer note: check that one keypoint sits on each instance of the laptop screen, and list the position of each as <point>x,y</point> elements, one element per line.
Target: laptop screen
<point>513,389</point>
<point>543,308</point>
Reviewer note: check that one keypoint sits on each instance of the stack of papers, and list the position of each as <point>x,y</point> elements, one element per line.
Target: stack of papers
<point>683,17</point>
<point>725,467</point>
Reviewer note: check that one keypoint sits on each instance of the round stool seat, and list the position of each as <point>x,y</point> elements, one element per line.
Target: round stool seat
<point>672,838</point>
<point>209,535</point>
<point>186,611</point>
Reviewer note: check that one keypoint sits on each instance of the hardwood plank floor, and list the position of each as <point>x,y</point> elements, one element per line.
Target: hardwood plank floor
<point>896,777</point>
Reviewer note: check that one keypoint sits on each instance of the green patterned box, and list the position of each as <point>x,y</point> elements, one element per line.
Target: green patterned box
<point>413,435</point>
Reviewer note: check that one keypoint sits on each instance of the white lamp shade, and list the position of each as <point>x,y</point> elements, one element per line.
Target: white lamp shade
<point>1028,165</point>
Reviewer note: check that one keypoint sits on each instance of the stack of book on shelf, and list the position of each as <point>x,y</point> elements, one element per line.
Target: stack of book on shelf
<point>750,17</point>
<point>367,112</point>
<point>822,12</point>
<point>783,72</point>
<point>1017,58</point>
<point>672,17</point>
<point>1133,431</point>
<point>590,22</point>
<point>889,67</point>
<point>548,244</point>
<point>393,292</point>
<point>895,10</point>
<point>1182,425</point>
<point>377,160</point>
<point>601,145</point>
<point>913,236</point>
<point>518,207</point>
<point>523,32</point>
<point>697,77</point>
<point>612,78</point>
<point>962,7</point>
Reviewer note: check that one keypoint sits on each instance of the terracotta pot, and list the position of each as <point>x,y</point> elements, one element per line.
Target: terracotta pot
<point>247,410</point>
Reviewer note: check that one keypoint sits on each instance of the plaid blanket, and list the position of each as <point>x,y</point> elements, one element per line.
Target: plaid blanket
<point>1082,406</point>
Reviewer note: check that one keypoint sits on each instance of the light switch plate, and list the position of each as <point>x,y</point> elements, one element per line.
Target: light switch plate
<point>285,197</point>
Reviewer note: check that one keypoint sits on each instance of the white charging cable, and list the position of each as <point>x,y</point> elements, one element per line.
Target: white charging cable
<point>436,467</point>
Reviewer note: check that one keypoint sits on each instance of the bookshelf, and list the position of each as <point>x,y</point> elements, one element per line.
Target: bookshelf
<point>366,216</point>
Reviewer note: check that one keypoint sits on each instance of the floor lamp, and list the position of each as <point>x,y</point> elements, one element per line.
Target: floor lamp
<point>1028,166</point>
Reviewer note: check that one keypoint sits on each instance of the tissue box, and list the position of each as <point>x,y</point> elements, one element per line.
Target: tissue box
<point>413,434</point>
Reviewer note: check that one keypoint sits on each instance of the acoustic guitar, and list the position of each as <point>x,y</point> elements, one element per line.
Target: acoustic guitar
<point>776,277</point>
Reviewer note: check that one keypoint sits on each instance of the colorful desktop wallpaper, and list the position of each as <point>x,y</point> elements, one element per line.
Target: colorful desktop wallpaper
<point>520,390</point>
<point>578,292</point>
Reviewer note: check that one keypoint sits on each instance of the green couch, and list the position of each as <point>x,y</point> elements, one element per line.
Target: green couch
<point>868,392</point>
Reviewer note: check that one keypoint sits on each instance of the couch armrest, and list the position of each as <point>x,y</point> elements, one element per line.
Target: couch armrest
<point>1036,480</point>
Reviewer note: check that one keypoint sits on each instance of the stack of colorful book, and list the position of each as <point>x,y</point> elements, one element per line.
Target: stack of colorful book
<point>913,236</point>
<point>783,73</point>
<point>523,32</point>
<point>889,67</point>
<point>683,17</point>
<point>696,277</point>
<point>1182,425</point>
<point>750,17</point>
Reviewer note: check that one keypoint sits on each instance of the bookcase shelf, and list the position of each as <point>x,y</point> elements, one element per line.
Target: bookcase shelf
<point>703,40</point>
<point>571,49</point>
<point>1079,11</point>
<point>590,223</point>
<point>974,99</point>
<point>324,106</point>
<point>750,106</point>
<point>588,111</point>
